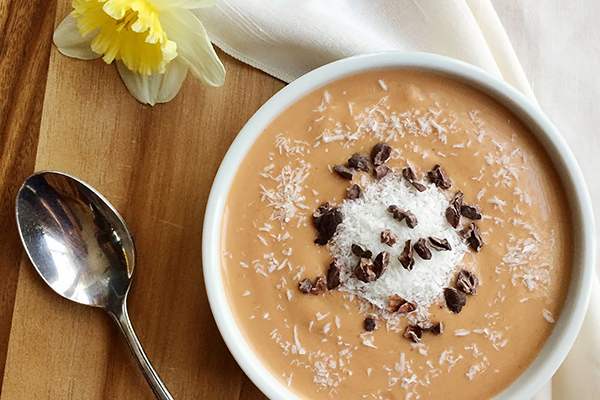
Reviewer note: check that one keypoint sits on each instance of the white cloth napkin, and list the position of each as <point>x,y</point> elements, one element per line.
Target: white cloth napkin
<point>288,38</point>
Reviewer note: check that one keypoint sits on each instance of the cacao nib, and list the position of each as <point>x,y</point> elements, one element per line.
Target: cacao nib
<point>388,237</point>
<point>361,252</point>
<point>467,282</point>
<point>428,326</point>
<point>411,219</point>
<point>437,329</point>
<point>407,307</point>
<point>453,217</point>
<point>359,162</point>
<point>394,303</point>
<point>319,213</point>
<point>471,211</point>
<point>457,201</point>
<point>380,263</point>
<point>439,177</point>
<point>419,186</point>
<point>421,249</point>
<point>305,286</point>
<point>454,299</point>
<point>400,214</point>
<point>439,244</point>
<point>397,212</point>
<point>381,171</point>
<point>381,153</point>
<point>364,270</point>
<point>344,172</point>
<point>326,219</point>
<point>453,212</point>
<point>392,208</point>
<point>473,236</point>
<point>413,333</point>
<point>425,325</point>
<point>467,231</point>
<point>409,174</point>
<point>320,285</point>
<point>406,257</point>
<point>354,192</point>
<point>333,274</point>
<point>370,324</point>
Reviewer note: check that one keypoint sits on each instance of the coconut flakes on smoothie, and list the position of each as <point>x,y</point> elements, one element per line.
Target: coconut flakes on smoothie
<point>368,264</point>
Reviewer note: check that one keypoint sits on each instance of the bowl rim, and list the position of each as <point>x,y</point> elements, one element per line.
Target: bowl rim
<point>566,327</point>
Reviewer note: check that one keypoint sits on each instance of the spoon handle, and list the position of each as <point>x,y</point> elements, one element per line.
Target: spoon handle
<point>121,317</point>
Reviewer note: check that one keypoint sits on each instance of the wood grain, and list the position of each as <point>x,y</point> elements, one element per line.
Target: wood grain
<point>156,165</point>
<point>24,51</point>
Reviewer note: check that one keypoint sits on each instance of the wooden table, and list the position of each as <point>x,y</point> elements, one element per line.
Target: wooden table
<point>156,165</point>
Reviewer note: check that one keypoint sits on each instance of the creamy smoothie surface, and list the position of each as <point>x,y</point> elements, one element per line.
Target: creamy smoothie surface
<point>396,235</point>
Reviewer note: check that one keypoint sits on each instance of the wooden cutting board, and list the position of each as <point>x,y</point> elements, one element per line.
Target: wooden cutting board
<point>156,165</point>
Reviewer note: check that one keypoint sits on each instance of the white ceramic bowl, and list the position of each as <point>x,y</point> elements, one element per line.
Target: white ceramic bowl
<point>571,318</point>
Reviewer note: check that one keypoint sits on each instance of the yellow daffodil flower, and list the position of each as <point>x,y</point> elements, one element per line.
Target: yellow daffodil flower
<point>154,43</point>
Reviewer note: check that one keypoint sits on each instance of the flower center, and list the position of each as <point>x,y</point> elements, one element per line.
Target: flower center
<point>127,21</point>
<point>127,30</point>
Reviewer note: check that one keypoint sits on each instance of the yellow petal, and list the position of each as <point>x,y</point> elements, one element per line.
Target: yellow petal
<point>193,45</point>
<point>134,50</point>
<point>127,30</point>
<point>143,17</point>
<point>70,42</point>
<point>187,4</point>
<point>156,88</point>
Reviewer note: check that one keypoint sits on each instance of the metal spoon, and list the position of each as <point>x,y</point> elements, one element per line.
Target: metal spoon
<point>82,248</point>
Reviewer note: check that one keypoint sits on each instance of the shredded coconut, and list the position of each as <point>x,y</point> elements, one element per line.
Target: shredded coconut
<point>367,339</point>
<point>289,148</point>
<point>478,369</point>
<point>364,219</point>
<point>286,198</point>
<point>548,316</point>
<point>498,204</point>
<point>461,332</point>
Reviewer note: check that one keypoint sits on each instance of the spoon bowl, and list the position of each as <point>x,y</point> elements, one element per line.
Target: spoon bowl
<point>77,241</point>
<point>82,248</point>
